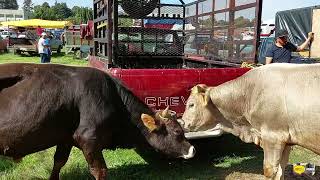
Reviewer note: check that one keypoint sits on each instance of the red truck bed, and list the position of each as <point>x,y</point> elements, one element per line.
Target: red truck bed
<point>159,88</point>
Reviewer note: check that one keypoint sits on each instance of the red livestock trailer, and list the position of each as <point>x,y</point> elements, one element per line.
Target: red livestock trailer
<point>160,50</point>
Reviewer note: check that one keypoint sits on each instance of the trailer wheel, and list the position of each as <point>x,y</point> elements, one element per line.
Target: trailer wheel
<point>77,54</point>
<point>59,49</point>
<point>17,52</point>
<point>32,53</point>
<point>85,56</point>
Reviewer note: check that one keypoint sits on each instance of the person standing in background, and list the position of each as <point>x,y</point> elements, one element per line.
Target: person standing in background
<point>47,43</point>
<point>43,48</point>
<point>280,51</point>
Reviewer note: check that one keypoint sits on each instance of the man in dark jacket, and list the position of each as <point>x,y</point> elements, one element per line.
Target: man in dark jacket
<point>280,51</point>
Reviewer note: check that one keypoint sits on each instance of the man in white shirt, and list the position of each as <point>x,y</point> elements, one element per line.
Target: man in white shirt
<point>42,48</point>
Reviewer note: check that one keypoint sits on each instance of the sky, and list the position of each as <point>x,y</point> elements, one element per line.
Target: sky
<point>270,7</point>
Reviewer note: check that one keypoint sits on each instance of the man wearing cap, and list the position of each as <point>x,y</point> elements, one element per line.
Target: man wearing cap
<point>42,48</point>
<point>280,51</point>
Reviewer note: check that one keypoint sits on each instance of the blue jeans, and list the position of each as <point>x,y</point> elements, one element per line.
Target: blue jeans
<point>43,58</point>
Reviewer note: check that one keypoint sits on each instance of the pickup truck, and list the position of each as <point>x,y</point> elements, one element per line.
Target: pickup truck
<point>161,62</point>
<point>30,46</point>
<point>160,88</point>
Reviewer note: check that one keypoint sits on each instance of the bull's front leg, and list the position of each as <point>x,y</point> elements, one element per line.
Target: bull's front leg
<point>283,162</point>
<point>273,152</point>
<point>92,151</point>
<point>97,165</point>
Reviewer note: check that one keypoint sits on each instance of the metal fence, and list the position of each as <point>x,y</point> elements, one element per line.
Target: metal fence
<point>222,29</point>
<point>216,30</point>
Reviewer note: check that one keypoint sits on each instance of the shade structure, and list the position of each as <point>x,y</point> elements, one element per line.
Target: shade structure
<point>37,22</point>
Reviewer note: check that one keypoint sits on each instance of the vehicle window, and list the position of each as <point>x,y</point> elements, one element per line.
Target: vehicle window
<point>190,39</point>
<point>150,37</point>
<point>169,38</point>
<point>129,37</point>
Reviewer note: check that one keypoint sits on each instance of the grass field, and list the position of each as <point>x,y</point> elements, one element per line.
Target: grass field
<point>56,59</point>
<point>224,157</point>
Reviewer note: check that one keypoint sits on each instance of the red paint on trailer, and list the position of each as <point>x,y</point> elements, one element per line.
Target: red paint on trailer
<point>159,88</point>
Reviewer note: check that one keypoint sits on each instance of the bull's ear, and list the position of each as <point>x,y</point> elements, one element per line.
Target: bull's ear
<point>200,88</point>
<point>206,99</point>
<point>149,122</point>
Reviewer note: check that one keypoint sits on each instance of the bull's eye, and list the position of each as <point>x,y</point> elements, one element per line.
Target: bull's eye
<point>177,133</point>
<point>191,105</point>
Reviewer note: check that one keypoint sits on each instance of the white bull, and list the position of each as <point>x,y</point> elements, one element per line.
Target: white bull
<point>274,106</point>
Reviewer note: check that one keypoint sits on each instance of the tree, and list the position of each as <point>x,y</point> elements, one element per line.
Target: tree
<point>125,22</point>
<point>61,11</point>
<point>2,4</point>
<point>27,7</point>
<point>242,22</point>
<point>9,4</point>
<point>46,12</point>
<point>81,15</point>
<point>43,12</point>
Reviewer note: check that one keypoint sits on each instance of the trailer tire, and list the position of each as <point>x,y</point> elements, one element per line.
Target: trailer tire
<point>77,54</point>
<point>59,49</point>
<point>17,52</point>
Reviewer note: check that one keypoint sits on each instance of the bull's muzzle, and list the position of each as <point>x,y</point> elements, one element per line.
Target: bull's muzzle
<point>191,153</point>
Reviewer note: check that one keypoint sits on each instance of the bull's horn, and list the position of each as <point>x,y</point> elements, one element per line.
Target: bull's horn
<point>165,112</point>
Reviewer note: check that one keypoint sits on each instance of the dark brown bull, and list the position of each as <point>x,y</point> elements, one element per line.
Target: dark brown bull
<point>42,106</point>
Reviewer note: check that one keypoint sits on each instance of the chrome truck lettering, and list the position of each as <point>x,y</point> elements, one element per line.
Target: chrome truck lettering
<point>165,101</point>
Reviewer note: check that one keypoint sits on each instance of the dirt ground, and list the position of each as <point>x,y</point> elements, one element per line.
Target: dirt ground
<point>288,175</point>
<point>252,168</point>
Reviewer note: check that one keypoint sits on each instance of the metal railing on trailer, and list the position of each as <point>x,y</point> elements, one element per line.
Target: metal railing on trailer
<point>75,43</point>
<point>215,32</point>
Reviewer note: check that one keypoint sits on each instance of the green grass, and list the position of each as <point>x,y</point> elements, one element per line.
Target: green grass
<point>213,161</point>
<point>56,59</point>
<point>224,157</point>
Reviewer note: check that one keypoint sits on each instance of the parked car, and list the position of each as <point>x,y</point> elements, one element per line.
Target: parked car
<point>267,29</point>
<point>57,33</point>
<point>7,34</point>
<point>56,44</point>
<point>30,46</point>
